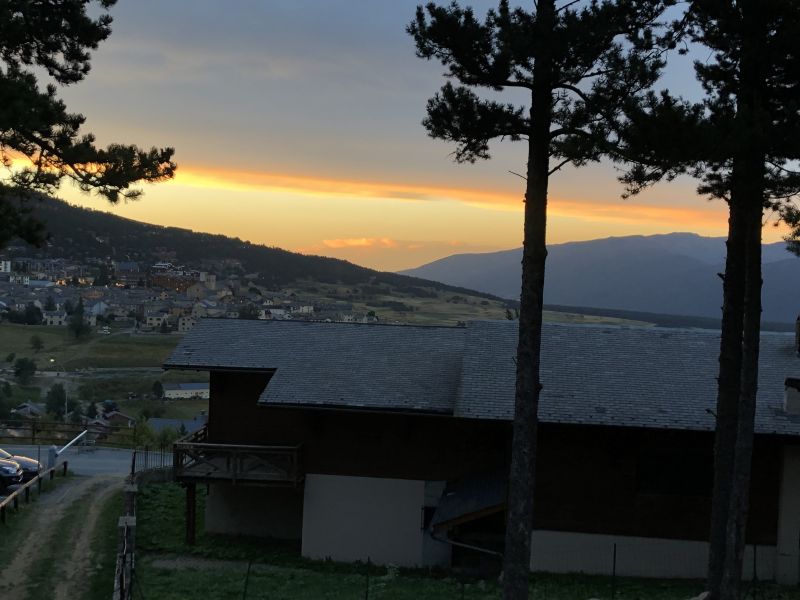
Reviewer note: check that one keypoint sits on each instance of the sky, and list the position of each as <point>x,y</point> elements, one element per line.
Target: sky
<point>297,124</point>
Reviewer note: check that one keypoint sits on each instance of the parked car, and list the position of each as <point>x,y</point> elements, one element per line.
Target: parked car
<point>10,473</point>
<point>30,467</point>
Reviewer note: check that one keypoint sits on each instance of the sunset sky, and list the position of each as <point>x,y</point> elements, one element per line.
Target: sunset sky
<point>297,124</point>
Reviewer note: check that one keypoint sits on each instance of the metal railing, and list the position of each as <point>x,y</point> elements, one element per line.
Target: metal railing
<point>199,461</point>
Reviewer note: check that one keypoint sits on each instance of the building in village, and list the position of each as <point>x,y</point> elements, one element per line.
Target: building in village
<point>174,391</point>
<point>391,443</point>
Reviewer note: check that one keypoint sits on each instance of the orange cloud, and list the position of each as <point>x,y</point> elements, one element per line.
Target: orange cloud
<point>708,215</point>
<point>318,186</point>
<point>618,211</point>
<point>361,243</point>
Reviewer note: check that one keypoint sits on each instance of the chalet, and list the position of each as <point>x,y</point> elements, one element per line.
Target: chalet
<point>391,443</point>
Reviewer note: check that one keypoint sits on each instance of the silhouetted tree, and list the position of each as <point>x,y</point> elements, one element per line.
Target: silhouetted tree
<point>738,142</point>
<point>24,370</point>
<point>50,303</point>
<point>577,66</point>
<point>36,343</point>
<point>55,38</point>
<point>91,410</point>
<point>158,389</point>
<point>248,311</point>
<point>77,325</point>
<point>55,399</point>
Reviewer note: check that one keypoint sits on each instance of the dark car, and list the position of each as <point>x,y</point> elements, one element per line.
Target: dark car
<point>30,467</point>
<point>10,473</point>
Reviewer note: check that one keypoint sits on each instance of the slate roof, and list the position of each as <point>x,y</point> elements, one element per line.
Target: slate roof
<point>593,375</point>
<point>634,376</point>
<point>334,364</point>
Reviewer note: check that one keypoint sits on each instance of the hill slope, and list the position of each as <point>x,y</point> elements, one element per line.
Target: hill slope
<point>78,233</point>
<point>672,274</point>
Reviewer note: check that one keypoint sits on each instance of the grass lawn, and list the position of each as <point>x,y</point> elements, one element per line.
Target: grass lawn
<point>169,409</point>
<point>96,351</point>
<point>278,571</point>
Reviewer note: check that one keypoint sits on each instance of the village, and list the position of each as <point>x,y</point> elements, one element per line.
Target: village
<point>161,297</point>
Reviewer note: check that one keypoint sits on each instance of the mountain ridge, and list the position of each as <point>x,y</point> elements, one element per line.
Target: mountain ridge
<point>673,273</point>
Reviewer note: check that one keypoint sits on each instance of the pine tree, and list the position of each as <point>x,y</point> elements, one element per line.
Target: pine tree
<point>738,143</point>
<point>56,38</point>
<point>577,67</point>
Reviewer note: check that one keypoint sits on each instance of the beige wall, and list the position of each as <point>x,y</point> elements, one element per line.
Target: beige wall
<point>359,518</point>
<point>257,511</point>
<point>565,552</point>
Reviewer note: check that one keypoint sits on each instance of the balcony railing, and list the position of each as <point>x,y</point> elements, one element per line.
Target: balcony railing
<point>198,461</point>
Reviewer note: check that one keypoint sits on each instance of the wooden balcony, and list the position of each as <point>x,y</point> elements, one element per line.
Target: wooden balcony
<point>197,461</point>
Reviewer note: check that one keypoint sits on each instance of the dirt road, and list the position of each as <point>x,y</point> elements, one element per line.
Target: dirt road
<point>54,559</point>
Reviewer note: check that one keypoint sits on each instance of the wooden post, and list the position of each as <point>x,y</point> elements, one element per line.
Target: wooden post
<point>27,495</point>
<point>129,495</point>
<point>191,517</point>
<point>65,469</point>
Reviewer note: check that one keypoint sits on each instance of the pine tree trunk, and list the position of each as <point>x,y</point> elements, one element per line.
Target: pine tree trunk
<point>747,198</point>
<point>727,411</point>
<point>519,525</point>
<point>740,491</point>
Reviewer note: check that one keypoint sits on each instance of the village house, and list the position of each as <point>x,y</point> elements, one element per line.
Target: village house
<point>391,443</point>
<point>155,320</point>
<point>186,323</point>
<point>173,391</point>
<point>55,318</point>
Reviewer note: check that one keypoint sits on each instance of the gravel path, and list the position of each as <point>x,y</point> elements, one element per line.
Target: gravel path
<point>74,567</point>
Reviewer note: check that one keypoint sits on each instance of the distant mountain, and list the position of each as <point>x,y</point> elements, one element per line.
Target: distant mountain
<point>675,274</point>
<point>81,233</point>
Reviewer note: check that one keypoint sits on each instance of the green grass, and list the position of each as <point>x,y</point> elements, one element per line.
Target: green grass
<point>96,351</point>
<point>160,533</point>
<point>104,550</point>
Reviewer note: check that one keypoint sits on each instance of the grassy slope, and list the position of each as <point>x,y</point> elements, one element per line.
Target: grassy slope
<point>98,351</point>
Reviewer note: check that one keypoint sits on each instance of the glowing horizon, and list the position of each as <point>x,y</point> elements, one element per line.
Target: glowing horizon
<point>340,218</point>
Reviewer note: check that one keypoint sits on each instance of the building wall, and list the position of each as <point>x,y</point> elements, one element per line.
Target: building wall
<point>256,511</point>
<point>630,482</point>
<point>365,518</point>
<point>603,481</point>
<point>367,444</point>
<point>570,552</point>
<point>788,559</point>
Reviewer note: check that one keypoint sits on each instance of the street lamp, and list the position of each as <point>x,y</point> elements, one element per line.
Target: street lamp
<point>53,360</point>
